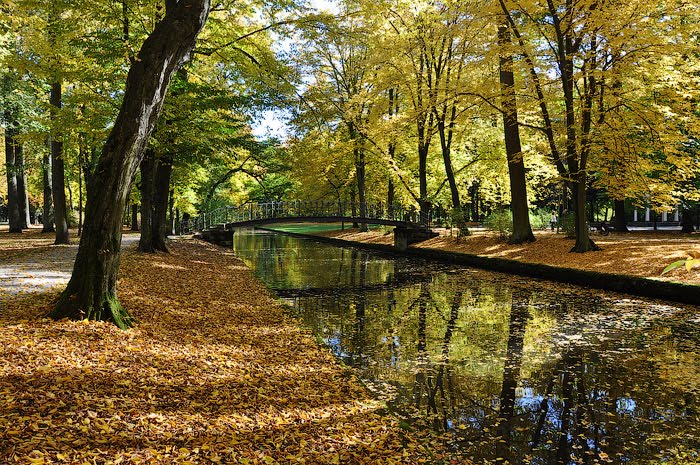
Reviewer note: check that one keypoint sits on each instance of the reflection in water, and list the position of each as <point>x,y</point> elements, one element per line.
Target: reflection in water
<point>512,369</point>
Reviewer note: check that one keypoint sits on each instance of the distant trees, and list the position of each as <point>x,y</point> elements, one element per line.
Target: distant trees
<point>584,95</point>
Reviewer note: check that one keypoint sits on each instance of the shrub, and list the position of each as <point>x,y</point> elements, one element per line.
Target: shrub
<point>501,221</point>
<point>539,219</point>
<point>459,219</point>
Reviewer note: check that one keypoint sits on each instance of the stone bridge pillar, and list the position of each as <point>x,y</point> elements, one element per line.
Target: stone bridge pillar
<point>405,236</point>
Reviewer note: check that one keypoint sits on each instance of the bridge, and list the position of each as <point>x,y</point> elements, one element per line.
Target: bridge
<point>409,224</point>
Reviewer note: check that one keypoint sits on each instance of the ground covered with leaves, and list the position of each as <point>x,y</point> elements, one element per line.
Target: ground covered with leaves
<point>214,372</point>
<point>639,253</point>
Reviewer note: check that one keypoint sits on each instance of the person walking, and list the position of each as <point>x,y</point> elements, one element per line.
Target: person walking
<point>553,220</point>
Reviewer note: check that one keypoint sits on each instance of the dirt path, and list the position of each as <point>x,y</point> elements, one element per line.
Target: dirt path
<point>214,372</point>
<point>30,264</point>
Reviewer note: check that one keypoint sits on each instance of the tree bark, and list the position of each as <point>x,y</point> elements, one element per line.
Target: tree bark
<point>81,155</point>
<point>171,211</point>
<point>22,191</point>
<point>134,217</point>
<point>620,223</point>
<point>391,190</point>
<point>147,168</point>
<point>13,204</point>
<point>583,240</point>
<point>58,182</point>
<point>92,290</point>
<point>522,230</point>
<point>361,194</point>
<point>687,220</point>
<point>161,189</point>
<point>359,155</point>
<point>47,213</point>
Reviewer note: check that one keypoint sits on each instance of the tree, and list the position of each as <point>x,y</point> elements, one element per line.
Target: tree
<point>342,88</point>
<point>522,231</point>
<point>583,47</point>
<point>91,292</point>
<point>13,203</point>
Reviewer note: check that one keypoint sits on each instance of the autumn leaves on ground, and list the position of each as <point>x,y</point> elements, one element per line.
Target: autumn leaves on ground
<point>638,253</point>
<point>214,372</point>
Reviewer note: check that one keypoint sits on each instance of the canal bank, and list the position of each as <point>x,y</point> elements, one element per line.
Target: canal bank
<point>628,284</point>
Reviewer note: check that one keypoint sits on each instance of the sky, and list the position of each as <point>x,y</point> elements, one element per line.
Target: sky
<point>272,123</point>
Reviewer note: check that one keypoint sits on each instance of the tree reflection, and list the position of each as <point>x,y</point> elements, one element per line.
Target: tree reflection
<point>513,369</point>
<point>519,315</point>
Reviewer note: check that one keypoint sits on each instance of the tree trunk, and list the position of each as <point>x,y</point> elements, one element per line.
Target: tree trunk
<point>22,191</point>
<point>687,220</point>
<point>161,189</point>
<point>522,230</point>
<point>134,217</point>
<point>391,192</point>
<point>359,155</point>
<point>620,223</point>
<point>80,191</point>
<point>58,173</point>
<point>474,194</point>
<point>390,198</point>
<point>361,194</point>
<point>457,214</point>
<point>423,183</point>
<point>47,213</point>
<point>353,206</point>
<point>147,177</point>
<point>171,212</point>
<point>13,203</point>
<point>92,290</point>
<point>583,240</point>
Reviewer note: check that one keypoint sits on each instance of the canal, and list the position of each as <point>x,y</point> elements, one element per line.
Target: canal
<point>509,369</point>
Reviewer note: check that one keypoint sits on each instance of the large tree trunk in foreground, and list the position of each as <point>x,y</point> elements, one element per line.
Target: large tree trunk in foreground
<point>620,223</point>
<point>58,181</point>
<point>47,213</point>
<point>13,204</point>
<point>522,230</point>
<point>92,292</point>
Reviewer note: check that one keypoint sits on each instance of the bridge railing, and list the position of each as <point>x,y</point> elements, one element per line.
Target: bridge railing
<point>302,209</point>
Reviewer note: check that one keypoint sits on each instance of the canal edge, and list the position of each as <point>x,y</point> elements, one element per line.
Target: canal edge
<point>626,284</point>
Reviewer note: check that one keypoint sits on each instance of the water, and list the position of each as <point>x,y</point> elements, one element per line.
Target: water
<point>509,369</point>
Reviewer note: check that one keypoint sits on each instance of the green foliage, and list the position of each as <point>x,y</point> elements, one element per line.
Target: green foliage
<point>540,218</point>
<point>502,221</point>
<point>689,263</point>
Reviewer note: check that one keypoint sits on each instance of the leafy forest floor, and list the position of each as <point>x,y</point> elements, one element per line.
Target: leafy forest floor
<point>638,253</point>
<point>214,371</point>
